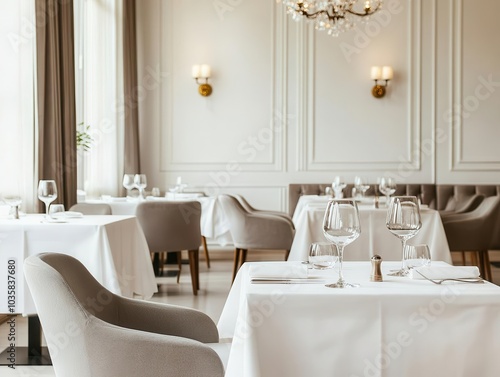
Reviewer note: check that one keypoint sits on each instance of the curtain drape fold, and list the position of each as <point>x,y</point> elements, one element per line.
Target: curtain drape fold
<point>56,96</point>
<point>130,83</point>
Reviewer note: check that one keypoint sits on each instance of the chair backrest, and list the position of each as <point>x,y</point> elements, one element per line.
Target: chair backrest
<point>244,203</point>
<point>170,226</point>
<point>67,296</point>
<point>92,208</point>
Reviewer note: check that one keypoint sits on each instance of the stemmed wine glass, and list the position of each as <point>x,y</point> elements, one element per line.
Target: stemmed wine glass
<point>361,185</point>
<point>14,201</point>
<point>387,186</point>
<point>47,193</point>
<point>141,183</point>
<point>403,220</point>
<point>128,182</point>
<point>341,227</point>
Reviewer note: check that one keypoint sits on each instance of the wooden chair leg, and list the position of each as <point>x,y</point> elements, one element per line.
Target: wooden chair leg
<point>197,265</point>
<point>474,258</point>
<point>482,269</point>
<point>205,248</point>
<point>488,265</point>
<point>463,258</point>
<point>179,263</point>
<point>193,262</point>
<point>243,257</point>
<point>235,263</point>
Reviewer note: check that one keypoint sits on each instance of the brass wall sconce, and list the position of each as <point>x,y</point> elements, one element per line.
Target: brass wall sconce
<point>202,71</point>
<point>381,73</point>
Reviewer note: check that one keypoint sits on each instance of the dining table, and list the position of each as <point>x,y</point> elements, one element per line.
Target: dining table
<point>113,248</point>
<point>374,238</point>
<point>213,223</point>
<point>391,328</point>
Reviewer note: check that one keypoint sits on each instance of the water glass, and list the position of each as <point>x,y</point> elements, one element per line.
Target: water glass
<point>417,256</point>
<point>56,210</point>
<point>322,255</point>
<point>155,191</point>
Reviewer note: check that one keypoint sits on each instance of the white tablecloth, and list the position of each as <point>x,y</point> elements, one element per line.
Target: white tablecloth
<point>374,237</point>
<point>213,222</point>
<point>399,327</point>
<point>113,248</point>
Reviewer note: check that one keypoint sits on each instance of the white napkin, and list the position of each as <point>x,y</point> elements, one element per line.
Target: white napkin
<point>278,271</point>
<point>445,272</point>
<point>67,215</point>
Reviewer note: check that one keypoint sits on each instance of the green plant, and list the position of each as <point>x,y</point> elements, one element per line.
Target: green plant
<point>83,138</point>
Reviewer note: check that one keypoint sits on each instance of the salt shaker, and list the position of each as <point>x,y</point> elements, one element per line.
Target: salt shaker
<point>376,271</point>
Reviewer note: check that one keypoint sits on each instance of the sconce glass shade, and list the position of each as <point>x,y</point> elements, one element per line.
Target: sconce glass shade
<point>205,71</point>
<point>196,71</point>
<point>387,73</point>
<point>376,73</point>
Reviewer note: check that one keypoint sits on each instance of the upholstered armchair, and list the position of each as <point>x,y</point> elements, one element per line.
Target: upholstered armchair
<point>92,332</point>
<point>255,230</point>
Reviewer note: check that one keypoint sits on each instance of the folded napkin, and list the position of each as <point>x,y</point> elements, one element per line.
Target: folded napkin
<point>66,215</point>
<point>445,272</point>
<point>278,271</point>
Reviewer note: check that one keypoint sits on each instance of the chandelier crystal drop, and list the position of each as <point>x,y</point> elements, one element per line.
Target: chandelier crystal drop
<point>333,16</point>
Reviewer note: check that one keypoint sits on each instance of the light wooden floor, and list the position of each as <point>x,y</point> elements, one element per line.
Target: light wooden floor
<point>215,284</point>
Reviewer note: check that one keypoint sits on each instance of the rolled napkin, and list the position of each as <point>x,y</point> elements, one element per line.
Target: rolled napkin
<point>445,272</point>
<point>278,271</point>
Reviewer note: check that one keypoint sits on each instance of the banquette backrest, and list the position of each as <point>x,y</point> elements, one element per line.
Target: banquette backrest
<point>440,197</point>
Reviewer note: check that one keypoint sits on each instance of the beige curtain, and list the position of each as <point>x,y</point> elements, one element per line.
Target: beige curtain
<point>56,96</point>
<point>130,84</point>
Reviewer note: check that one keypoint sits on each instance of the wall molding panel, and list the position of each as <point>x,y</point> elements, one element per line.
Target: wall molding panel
<point>458,140</point>
<point>271,137</point>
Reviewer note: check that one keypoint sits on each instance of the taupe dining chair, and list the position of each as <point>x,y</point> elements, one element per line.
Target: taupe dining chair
<point>245,204</point>
<point>173,226</point>
<point>475,231</point>
<point>256,231</point>
<point>92,208</point>
<point>91,332</point>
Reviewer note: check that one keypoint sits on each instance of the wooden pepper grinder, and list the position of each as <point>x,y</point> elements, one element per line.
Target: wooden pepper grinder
<point>376,271</point>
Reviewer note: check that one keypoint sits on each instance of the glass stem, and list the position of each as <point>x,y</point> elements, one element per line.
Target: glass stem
<point>403,242</point>
<point>340,249</point>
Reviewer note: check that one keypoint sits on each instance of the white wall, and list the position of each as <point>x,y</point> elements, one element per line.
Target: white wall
<point>291,104</point>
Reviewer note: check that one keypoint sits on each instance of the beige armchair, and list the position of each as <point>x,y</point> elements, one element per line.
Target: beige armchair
<point>255,230</point>
<point>92,332</point>
<point>173,227</point>
<point>475,231</point>
<point>244,203</point>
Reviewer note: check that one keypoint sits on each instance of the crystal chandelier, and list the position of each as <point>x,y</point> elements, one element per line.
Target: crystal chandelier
<point>334,16</point>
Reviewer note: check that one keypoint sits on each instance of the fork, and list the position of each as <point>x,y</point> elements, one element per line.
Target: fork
<point>462,280</point>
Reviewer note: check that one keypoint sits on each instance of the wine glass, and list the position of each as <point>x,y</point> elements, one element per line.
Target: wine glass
<point>322,255</point>
<point>403,220</point>
<point>47,193</point>
<point>14,201</point>
<point>141,183</point>
<point>128,182</point>
<point>341,227</point>
<point>387,187</point>
<point>361,185</point>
